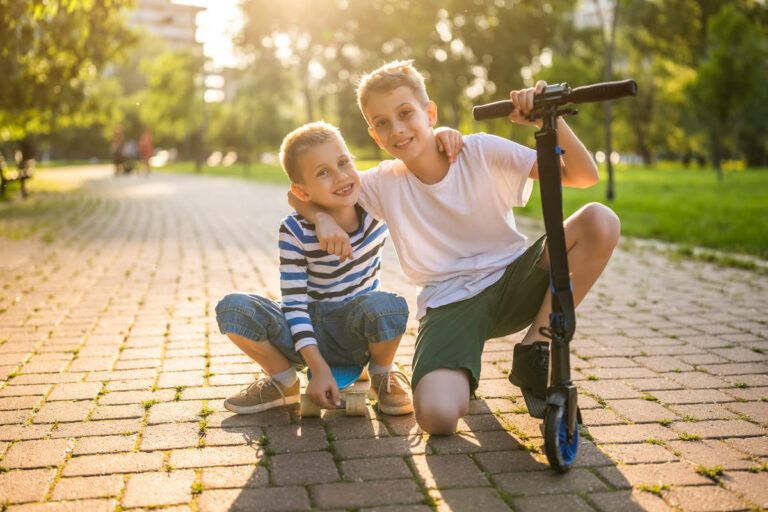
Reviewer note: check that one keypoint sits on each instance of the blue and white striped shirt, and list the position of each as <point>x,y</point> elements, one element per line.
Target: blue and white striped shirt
<point>309,274</point>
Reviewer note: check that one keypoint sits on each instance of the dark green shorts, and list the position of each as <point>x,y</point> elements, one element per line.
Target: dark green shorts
<point>453,336</point>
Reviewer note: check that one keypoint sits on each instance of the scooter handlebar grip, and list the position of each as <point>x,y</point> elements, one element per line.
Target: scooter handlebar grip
<point>603,91</point>
<point>492,110</point>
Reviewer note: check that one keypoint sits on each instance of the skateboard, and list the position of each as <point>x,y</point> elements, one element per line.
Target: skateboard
<point>353,387</point>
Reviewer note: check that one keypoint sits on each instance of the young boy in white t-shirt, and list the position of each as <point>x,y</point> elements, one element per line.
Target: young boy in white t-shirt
<point>456,238</point>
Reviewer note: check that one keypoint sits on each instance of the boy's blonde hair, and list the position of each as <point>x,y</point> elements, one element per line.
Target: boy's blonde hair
<point>389,77</point>
<point>301,139</point>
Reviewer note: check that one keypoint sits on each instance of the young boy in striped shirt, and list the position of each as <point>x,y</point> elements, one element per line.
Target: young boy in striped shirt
<point>332,312</point>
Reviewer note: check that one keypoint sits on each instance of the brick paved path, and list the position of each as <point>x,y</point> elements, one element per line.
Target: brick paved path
<point>114,374</point>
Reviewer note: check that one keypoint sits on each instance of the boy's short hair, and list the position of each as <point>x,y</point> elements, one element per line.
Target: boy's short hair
<point>301,139</point>
<point>389,77</point>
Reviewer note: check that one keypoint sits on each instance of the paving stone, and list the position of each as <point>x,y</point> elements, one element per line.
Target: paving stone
<point>235,477</point>
<point>366,494</point>
<point>215,456</point>
<point>36,454</point>
<point>692,396</point>
<point>274,499</point>
<point>170,435</point>
<point>631,433</point>
<point>108,412</point>
<point>750,486</point>
<point>641,411</point>
<point>385,447</point>
<point>112,463</point>
<point>508,461</point>
<point>628,501</point>
<point>711,453</point>
<point>297,438</point>
<point>303,468</point>
<point>709,498</point>
<point>79,488</point>
<point>549,482</point>
<point>468,499</point>
<point>384,468</point>
<point>159,488</point>
<point>104,444</point>
<point>53,412</point>
<point>569,502</point>
<point>103,505</point>
<point>720,428</point>
<point>703,411</point>
<point>75,391</point>
<point>98,428</point>
<point>444,471</point>
<point>671,473</point>
<point>639,453</point>
<point>25,486</point>
<point>172,412</point>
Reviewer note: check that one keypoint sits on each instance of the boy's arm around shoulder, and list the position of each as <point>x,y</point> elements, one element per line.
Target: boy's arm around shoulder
<point>332,238</point>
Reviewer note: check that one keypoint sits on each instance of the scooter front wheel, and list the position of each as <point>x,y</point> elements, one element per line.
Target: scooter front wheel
<point>560,452</point>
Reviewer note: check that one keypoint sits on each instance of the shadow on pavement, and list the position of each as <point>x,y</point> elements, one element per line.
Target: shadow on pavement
<point>494,462</point>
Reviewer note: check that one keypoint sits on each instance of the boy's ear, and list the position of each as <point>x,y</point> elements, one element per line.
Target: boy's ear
<point>300,192</point>
<point>375,137</point>
<point>432,113</point>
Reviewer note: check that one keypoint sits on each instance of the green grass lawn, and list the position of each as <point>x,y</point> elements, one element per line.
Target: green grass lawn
<point>667,202</point>
<point>689,207</point>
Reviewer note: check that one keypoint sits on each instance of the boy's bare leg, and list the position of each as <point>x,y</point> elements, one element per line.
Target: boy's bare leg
<point>441,398</point>
<point>591,235</point>
<point>383,352</point>
<point>263,352</point>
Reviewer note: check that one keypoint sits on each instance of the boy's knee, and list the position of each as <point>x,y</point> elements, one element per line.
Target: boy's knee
<point>437,419</point>
<point>602,223</point>
<point>239,302</point>
<point>384,316</point>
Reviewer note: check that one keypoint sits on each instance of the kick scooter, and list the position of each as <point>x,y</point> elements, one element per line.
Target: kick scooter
<point>560,410</point>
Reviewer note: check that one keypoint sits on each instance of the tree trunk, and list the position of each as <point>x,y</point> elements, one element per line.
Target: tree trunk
<point>609,41</point>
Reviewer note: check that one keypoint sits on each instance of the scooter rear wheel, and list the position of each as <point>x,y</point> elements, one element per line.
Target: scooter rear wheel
<point>560,452</point>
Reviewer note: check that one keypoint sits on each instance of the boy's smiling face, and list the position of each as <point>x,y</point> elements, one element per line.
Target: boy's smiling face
<point>399,123</point>
<point>329,176</point>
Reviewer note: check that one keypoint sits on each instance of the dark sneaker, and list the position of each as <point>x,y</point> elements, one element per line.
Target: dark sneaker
<point>262,395</point>
<point>392,390</point>
<point>530,368</point>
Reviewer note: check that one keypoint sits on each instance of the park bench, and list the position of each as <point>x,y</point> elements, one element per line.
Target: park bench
<point>21,174</point>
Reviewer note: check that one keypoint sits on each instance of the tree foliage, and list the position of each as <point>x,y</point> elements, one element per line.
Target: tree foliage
<point>50,57</point>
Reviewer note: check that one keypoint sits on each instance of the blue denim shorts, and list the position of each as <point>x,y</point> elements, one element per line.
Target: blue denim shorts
<point>343,329</point>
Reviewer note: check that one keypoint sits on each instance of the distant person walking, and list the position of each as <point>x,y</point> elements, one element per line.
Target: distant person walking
<point>146,149</point>
<point>118,156</point>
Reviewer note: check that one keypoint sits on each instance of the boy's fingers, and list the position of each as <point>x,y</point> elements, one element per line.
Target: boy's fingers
<point>335,396</point>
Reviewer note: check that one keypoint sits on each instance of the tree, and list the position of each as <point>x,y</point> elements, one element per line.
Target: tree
<point>731,73</point>
<point>172,103</point>
<point>50,57</point>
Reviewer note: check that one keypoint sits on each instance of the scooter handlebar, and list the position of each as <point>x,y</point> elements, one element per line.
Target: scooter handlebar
<point>589,93</point>
<point>603,92</point>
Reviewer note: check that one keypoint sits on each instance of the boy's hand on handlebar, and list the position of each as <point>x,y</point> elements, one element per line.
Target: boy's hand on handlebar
<point>522,100</point>
<point>332,238</point>
<point>449,141</point>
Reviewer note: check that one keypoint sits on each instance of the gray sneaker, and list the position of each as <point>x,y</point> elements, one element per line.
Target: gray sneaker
<point>262,395</point>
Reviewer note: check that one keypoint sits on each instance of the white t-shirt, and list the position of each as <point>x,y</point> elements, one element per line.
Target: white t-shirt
<point>456,237</point>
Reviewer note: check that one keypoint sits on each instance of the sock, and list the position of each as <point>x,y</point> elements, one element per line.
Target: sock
<point>374,369</point>
<point>286,378</point>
